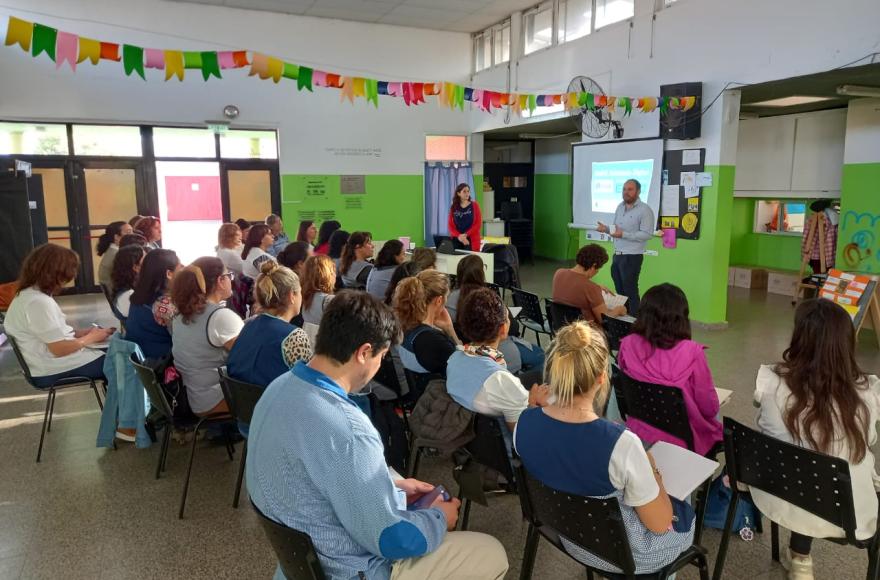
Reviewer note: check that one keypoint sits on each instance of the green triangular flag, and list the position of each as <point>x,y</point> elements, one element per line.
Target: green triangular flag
<point>304,78</point>
<point>664,105</point>
<point>591,101</point>
<point>371,87</point>
<point>44,40</point>
<point>458,97</point>
<point>192,59</point>
<point>291,71</point>
<point>210,65</point>
<point>133,60</point>
<point>582,99</point>
<point>533,103</point>
<point>627,105</point>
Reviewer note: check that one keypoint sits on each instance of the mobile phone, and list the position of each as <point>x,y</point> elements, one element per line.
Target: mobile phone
<point>426,500</point>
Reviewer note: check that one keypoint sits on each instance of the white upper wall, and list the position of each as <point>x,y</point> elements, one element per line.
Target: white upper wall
<point>313,127</point>
<point>863,132</point>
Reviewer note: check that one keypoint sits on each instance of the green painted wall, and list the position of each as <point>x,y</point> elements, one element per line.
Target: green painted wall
<point>770,251</point>
<point>552,214</point>
<point>858,246</point>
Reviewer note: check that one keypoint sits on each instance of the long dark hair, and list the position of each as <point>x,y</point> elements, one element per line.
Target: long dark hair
<point>469,276</point>
<point>388,254</point>
<point>325,231</point>
<point>355,241</point>
<point>455,199</point>
<point>402,272</point>
<point>254,238</point>
<point>108,237</point>
<point>338,239</point>
<point>819,366</point>
<point>123,275</point>
<point>193,284</point>
<point>303,229</point>
<point>664,317</point>
<point>153,280</point>
<point>294,254</point>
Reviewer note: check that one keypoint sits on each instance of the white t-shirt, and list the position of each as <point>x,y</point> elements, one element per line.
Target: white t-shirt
<point>502,394</point>
<point>223,326</point>
<point>34,320</point>
<point>772,394</point>
<point>123,302</point>
<point>253,261</point>
<point>231,258</point>
<point>630,471</point>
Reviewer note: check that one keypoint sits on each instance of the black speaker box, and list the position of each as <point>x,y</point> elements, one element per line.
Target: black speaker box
<point>677,124</point>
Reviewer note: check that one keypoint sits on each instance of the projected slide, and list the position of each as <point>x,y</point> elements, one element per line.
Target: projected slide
<point>608,179</point>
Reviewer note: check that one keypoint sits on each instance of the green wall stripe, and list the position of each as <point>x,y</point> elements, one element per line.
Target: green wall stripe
<point>747,248</point>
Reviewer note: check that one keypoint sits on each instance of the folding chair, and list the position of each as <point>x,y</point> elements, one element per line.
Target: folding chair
<point>531,316</point>
<point>241,398</point>
<point>812,481</point>
<point>66,383</point>
<point>615,331</point>
<point>593,524</point>
<point>295,552</point>
<point>561,314</point>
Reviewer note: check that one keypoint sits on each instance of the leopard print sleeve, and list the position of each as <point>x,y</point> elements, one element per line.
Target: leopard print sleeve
<point>296,347</point>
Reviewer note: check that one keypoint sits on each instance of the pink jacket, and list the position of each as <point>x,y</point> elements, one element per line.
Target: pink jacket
<point>683,366</point>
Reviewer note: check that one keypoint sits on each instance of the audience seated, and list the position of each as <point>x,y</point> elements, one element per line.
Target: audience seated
<point>476,374</point>
<point>256,250</point>
<point>819,398</point>
<point>134,220</point>
<point>353,265</point>
<point>568,447</point>
<point>316,464</point>
<point>425,258</point>
<point>52,349</point>
<point>280,239</point>
<point>108,245</point>
<point>229,247</point>
<point>307,233</point>
<point>322,245</point>
<point>660,351</point>
<point>575,286</point>
<point>245,226</point>
<point>402,272</point>
<point>133,239</point>
<point>337,243</point>
<point>151,310</point>
<point>390,257</point>
<point>151,228</point>
<point>319,279</point>
<point>203,331</point>
<point>295,255</point>
<point>122,280</point>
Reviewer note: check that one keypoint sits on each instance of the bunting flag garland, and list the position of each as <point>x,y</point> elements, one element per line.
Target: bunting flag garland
<point>65,47</point>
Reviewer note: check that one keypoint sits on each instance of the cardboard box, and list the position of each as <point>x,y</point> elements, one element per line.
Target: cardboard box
<point>782,283</point>
<point>755,278</point>
<point>731,276</point>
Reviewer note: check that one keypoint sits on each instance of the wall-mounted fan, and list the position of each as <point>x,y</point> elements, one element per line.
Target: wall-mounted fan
<point>596,123</point>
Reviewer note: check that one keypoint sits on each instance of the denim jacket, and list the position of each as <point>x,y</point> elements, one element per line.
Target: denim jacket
<point>127,402</point>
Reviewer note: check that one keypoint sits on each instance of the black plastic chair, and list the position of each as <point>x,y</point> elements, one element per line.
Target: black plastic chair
<point>109,296</point>
<point>295,552</point>
<point>812,481</point>
<point>241,398</point>
<point>67,383</point>
<point>160,404</point>
<point>419,443</point>
<point>596,525</point>
<point>497,289</point>
<point>561,314</point>
<point>663,408</point>
<point>531,316</point>
<point>615,331</point>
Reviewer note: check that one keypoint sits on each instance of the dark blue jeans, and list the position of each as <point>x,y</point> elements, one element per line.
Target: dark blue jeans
<point>625,270</point>
<point>93,370</point>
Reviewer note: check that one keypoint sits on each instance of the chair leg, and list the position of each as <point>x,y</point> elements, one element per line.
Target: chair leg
<point>701,497</point>
<point>873,568</point>
<point>163,451</point>
<point>230,447</point>
<point>240,475</point>
<point>703,566</point>
<point>51,409</point>
<point>45,423</point>
<point>414,457</point>
<point>725,534</point>
<point>192,455</point>
<point>530,552</point>
<point>97,395</point>
<point>463,520</point>
<point>590,574</point>
<point>774,540</point>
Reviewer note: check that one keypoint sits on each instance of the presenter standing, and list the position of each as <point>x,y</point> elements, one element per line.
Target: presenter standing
<point>465,219</point>
<point>633,226</point>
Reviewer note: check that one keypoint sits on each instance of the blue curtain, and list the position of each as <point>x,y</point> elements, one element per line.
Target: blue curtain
<point>441,179</point>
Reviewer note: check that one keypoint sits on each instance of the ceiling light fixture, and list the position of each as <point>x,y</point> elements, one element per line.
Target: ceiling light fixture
<point>858,91</point>
<point>791,101</point>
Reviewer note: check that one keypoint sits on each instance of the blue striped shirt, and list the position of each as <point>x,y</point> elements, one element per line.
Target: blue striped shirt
<point>638,225</point>
<point>316,464</point>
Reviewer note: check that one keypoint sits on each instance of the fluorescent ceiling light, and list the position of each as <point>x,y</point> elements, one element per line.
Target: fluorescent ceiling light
<point>789,101</point>
<point>858,91</point>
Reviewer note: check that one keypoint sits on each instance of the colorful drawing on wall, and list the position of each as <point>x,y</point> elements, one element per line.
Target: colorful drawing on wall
<point>862,244</point>
<point>689,222</point>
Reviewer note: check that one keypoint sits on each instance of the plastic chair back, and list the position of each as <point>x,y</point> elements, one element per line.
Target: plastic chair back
<point>241,397</point>
<point>488,447</point>
<point>561,314</point>
<point>25,369</point>
<point>154,390</point>
<point>295,552</point>
<point>615,331</point>
<point>530,304</point>
<point>660,406</point>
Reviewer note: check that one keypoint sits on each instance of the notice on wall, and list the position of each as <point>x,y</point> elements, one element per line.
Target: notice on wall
<point>352,184</point>
<point>688,178</point>
<point>316,186</point>
<point>690,157</point>
<point>354,203</point>
<point>669,205</point>
<point>704,179</point>
<point>354,151</point>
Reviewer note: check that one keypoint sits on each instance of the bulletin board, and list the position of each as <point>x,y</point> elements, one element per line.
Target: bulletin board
<point>688,219</point>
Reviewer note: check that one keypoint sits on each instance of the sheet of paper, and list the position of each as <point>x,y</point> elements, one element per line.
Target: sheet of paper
<point>690,157</point>
<point>514,311</point>
<point>688,178</point>
<point>704,179</point>
<point>691,191</point>
<point>670,203</point>
<point>723,395</point>
<point>613,300</point>
<point>683,471</point>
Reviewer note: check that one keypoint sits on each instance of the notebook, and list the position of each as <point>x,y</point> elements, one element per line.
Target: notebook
<point>683,471</point>
<point>723,395</point>
<point>612,301</point>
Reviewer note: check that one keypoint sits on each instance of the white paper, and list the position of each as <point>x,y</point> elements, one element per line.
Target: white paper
<point>723,395</point>
<point>683,471</point>
<point>670,203</point>
<point>612,301</point>
<point>688,178</point>
<point>691,191</point>
<point>690,157</point>
<point>514,311</point>
<point>704,179</point>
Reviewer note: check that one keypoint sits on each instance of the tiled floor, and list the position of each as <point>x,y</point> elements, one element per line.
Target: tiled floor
<point>99,514</point>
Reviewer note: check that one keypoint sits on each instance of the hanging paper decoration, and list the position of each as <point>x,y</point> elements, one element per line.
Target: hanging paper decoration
<point>347,91</point>
<point>173,64</point>
<point>210,65</point>
<point>110,51</point>
<point>19,32</point>
<point>357,85</point>
<point>89,49</point>
<point>372,89</point>
<point>133,60</point>
<point>65,50</point>
<point>304,79</point>
<point>154,58</point>
<point>44,40</point>
<point>232,59</point>
<point>192,59</point>
<point>275,69</point>
<point>290,71</point>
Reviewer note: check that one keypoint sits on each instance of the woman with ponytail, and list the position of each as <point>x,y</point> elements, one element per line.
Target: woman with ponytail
<point>268,345</point>
<point>108,245</point>
<point>353,265</point>
<point>203,331</point>
<point>151,310</point>
<point>567,446</point>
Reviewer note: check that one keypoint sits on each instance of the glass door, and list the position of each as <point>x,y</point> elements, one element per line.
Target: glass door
<point>251,190</point>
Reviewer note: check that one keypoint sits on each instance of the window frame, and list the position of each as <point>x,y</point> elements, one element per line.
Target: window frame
<point>553,6</point>
<point>467,144</point>
<point>759,228</point>
<point>492,33</point>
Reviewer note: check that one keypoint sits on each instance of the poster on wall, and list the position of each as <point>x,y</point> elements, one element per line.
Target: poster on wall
<point>352,184</point>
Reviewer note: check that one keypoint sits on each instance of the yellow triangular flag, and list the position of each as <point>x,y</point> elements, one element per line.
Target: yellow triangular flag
<point>358,87</point>
<point>20,33</point>
<point>274,69</point>
<point>89,49</point>
<point>174,64</point>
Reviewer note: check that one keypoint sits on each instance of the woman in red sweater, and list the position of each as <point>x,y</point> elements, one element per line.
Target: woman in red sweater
<point>465,218</point>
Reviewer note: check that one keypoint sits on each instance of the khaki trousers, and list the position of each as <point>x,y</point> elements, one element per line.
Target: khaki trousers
<point>461,556</point>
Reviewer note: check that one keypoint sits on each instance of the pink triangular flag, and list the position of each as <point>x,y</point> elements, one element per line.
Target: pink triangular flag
<point>226,58</point>
<point>66,49</point>
<point>154,58</point>
<point>395,89</point>
<point>319,78</point>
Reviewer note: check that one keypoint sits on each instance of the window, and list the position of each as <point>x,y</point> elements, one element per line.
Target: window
<point>173,142</point>
<point>611,11</point>
<point>538,28</point>
<point>249,145</point>
<point>446,148</point>
<point>501,41</point>
<point>780,217</point>
<point>33,139</point>
<point>668,2</point>
<point>575,19</point>
<point>482,51</point>
<point>107,140</point>
<point>492,46</point>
